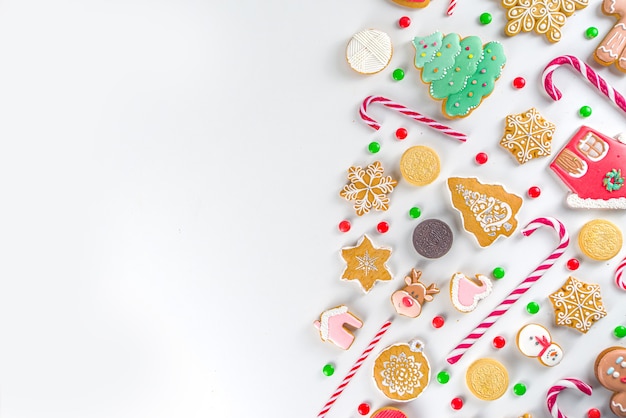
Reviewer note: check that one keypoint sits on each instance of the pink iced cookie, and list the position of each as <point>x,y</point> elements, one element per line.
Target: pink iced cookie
<point>332,325</point>
<point>466,292</point>
<point>612,49</point>
<point>408,301</point>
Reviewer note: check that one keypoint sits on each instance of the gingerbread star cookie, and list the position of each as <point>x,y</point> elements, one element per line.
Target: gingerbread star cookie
<point>545,17</point>
<point>577,304</point>
<point>368,188</point>
<point>527,135</point>
<point>366,263</point>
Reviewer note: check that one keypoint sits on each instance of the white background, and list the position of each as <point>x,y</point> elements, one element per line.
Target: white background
<point>169,174</point>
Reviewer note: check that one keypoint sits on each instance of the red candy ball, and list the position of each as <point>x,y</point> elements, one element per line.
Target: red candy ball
<point>382,227</point>
<point>344,226</point>
<point>573,264</point>
<point>481,158</point>
<point>519,82</point>
<point>404,22</point>
<point>499,342</point>
<point>438,322</point>
<point>594,413</point>
<point>456,403</point>
<point>364,408</point>
<point>401,133</point>
<point>534,192</point>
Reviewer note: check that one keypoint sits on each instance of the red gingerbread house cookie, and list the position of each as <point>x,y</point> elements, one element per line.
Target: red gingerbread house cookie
<point>592,166</point>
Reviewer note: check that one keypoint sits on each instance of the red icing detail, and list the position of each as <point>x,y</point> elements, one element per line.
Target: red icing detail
<point>364,409</point>
<point>623,379</point>
<point>438,322</point>
<point>587,184</point>
<point>389,413</point>
<point>456,403</point>
<point>467,48</point>
<point>573,264</point>
<point>401,133</point>
<point>407,301</point>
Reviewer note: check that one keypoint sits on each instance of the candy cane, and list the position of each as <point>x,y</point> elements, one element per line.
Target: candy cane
<point>554,391</point>
<point>354,369</point>
<point>407,112</point>
<point>587,72</point>
<point>451,7</point>
<point>458,352</point>
<point>619,280</point>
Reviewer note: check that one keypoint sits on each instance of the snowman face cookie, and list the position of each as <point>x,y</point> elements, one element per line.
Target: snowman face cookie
<point>533,340</point>
<point>610,370</point>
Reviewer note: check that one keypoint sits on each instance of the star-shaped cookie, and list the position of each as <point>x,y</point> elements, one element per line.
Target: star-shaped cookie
<point>577,304</point>
<point>366,263</point>
<point>527,135</point>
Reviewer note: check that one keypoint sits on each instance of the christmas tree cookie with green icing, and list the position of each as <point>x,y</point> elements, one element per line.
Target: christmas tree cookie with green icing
<point>461,72</point>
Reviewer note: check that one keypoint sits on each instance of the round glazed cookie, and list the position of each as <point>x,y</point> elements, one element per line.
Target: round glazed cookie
<point>487,379</point>
<point>389,412</point>
<point>402,371</point>
<point>600,239</point>
<point>369,51</point>
<point>414,4</point>
<point>420,165</point>
<point>432,238</point>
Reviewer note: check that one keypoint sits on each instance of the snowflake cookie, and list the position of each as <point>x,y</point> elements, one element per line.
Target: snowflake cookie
<point>366,263</point>
<point>577,304</point>
<point>401,371</point>
<point>368,188</point>
<point>527,135</point>
<point>545,17</point>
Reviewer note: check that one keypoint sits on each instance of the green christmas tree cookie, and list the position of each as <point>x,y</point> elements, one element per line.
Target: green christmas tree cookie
<point>461,72</point>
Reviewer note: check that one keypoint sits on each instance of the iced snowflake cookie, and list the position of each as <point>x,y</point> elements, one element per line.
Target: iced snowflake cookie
<point>414,4</point>
<point>545,17</point>
<point>368,188</point>
<point>369,51</point>
<point>366,263</point>
<point>461,72</point>
<point>590,165</point>
<point>466,292</point>
<point>535,341</point>
<point>408,301</point>
<point>527,135</point>
<point>487,379</point>
<point>610,370</point>
<point>577,305</point>
<point>332,326</point>
<point>488,211</point>
<point>612,49</point>
<point>420,165</point>
<point>600,239</point>
<point>401,371</point>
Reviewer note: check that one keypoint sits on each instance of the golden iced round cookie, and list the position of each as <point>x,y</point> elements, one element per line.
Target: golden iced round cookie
<point>401,371</point>
<point>420,165</point>
<point>487,379</point>
<point>600,239</point>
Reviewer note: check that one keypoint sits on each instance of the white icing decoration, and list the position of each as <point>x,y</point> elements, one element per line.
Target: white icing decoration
<point>575,201</point>
<point>584,147</point>
<point>612,6</point>
<point>616,374</point>
<point>324,333</point>
<point>485,284</point>
<point>369,51</point>
<point>623,365</point>
<point>618,405</point>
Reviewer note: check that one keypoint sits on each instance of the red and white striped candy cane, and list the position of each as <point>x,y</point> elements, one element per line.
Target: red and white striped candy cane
<point>587,72</point>
<point>451,7</point>
<point>407,112</point>
<point>354,369</point>
<point>458,352</point>
<point>569,382</point>
<point>619,278</point>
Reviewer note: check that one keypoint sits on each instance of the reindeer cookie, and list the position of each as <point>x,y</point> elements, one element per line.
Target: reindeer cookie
<point>408,301</point>
<point>613,46</point>
<point>533,340</point>
<point>610,370</point>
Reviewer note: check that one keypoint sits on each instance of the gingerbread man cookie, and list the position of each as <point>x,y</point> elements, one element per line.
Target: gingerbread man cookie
<point>612,49</point>
<point>610,370</point>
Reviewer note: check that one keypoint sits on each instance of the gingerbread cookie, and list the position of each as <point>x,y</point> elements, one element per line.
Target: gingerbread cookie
<point>590,165</point>
<point>487,379</point>
<point>488,211</point>
<point>527,135</point>
<point>432,238</point>
<point>545,17</point>
<point>612,49</point>
<point>466,292</point>
<point>600,239</point>
<point>408,301</point>
<point>420,165</point>
<point>461,72</point>
<point>332,326</point>
<point>610,370</point>
<point>535,341</point>
<point>366,263</point>
<point>369,51</point>
<point>577,305</point>
<point>368,188</point>
<point>401,371</point>
<point>413,4</point>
